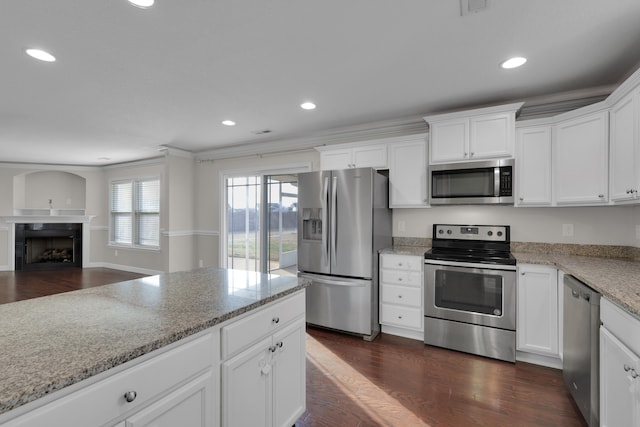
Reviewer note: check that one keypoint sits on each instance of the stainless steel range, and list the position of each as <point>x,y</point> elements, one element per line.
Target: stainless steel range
<point>470,290</point>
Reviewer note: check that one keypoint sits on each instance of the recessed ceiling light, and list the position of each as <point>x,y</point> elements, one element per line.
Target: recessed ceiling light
<point>40,54</point>
<point>514,62</point>
<point>308,106</point>
<point>228,123</point>
<point>142,3</point>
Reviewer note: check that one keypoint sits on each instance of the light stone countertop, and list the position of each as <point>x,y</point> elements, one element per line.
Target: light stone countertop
<point>52,342</point>
<point>616,279</point>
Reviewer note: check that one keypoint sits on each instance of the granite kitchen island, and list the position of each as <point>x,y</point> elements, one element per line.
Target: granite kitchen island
<point>169,330</point>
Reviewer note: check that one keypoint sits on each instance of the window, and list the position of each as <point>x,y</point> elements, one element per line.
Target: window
<point>135,213</point>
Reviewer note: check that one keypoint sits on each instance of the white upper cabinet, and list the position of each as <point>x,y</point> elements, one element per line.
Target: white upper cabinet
<point>580,155</point>
<point>360,155</point>
<point>624,127</point>
<point>533,165</point>
<point>408,173</point>
<point>478,134</point>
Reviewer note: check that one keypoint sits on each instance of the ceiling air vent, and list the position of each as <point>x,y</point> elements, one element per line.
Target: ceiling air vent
<point>468,7</point>
<point>261,131</point>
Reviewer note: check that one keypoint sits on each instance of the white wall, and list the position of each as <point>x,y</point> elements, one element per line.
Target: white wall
<point>603,225</point>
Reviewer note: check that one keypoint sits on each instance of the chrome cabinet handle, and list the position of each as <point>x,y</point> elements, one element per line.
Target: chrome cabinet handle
<point>130,396</point>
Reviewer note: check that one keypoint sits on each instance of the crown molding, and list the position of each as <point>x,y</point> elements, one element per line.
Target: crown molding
<point>361,132</point>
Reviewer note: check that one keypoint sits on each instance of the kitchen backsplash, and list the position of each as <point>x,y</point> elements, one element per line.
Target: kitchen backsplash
<point>603,251</point>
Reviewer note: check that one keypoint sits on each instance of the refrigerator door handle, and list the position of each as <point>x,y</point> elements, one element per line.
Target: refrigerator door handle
<point>334,219</point>
<point>325,216</point>
<point>334,281</point>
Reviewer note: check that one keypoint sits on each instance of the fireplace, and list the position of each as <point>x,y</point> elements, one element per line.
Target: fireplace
<point>41,246</point>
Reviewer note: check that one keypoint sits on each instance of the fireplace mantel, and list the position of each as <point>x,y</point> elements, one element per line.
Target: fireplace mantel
<point>30,219</point>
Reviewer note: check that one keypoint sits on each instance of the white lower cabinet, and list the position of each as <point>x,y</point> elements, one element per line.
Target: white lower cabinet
<point>175,387</point>
<point>537,330</point>
<point>401,295</point>
<point>263,384</point>
<point>186,407</point>
<point>619,367</point>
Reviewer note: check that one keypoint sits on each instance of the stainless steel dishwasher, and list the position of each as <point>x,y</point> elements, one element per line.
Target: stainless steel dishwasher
<point>581,354</point>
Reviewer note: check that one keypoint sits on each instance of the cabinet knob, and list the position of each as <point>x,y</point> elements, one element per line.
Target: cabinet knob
<point>627,368</point>
<point>279,344</point>
<point>601,196</point>
<point>521,199</point>
<point>272,349</point>
<point>399,264</point>
<point>400,296</point>
<point>275,320</point>
<point>634,374</point>
<point>400,317</point>
<point>130,396</point>
<point>466,154</point>
<point>399,279</point>
<point>472,153</point>
<point>523,273</point>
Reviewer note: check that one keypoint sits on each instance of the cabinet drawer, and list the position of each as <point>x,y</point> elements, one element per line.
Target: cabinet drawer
<point>623,325</point>
<point>405,278</point>
<point>401,262</point>
<point>401,316</point>
<point>104,401</point>
<point>244,332</point>
<point>410,297</point>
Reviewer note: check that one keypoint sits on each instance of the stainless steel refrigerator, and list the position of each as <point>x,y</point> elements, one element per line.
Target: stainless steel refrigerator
<point>343,221</point>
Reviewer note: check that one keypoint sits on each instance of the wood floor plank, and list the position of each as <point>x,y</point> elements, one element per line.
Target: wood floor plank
<point>395,381</point>
<point>21,285</point>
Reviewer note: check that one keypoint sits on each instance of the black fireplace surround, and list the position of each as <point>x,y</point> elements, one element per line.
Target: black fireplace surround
<point>43,246</point>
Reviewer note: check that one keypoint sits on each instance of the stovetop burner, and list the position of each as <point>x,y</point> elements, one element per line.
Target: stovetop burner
<point>485,244</point>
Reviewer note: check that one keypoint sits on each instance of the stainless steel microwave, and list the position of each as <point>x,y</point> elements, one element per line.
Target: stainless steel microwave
<point>472,183</point>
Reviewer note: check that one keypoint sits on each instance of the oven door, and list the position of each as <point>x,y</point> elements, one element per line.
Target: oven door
<point>471,293</point>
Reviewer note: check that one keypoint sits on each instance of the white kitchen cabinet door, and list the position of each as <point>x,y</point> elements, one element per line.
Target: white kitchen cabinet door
<point>482,133</point>
<point>370,156</point>
<point>491,136</point>
<point>188,406</point>
<point>289,374</point>
<point>619,390</point>
<point>580,153</point>
<point>537,328</point>
<point>408,174</point>
<point>624,146</point>
<point>449,140</point>
<point>246,387</point>
<point>346,156</point>
<point>336,159</point>
<point>533,166</point>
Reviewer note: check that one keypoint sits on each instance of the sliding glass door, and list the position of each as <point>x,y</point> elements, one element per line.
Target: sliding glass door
<point>260,223</point>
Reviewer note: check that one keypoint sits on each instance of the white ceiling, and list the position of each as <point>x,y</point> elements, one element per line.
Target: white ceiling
<point>128,80</point>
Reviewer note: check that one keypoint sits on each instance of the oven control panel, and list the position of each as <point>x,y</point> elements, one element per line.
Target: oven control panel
<point>492,233</point>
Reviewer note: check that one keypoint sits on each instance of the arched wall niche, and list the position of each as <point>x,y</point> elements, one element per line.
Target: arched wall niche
<point>49,190</point>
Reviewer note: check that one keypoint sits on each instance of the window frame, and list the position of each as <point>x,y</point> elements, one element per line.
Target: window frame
<point>134,214</point>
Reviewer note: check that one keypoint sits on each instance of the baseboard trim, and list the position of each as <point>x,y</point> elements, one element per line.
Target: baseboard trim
<point>128,268</point>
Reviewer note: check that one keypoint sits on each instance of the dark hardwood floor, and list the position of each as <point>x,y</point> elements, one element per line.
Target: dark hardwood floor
<point>395,381</point>
<point>21,285</point>
<point>391,381</point>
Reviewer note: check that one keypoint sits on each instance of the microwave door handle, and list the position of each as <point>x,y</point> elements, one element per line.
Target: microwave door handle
<point>496,182</point>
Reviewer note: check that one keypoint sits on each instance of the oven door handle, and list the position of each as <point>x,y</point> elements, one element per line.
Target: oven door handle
<point>500,267</point>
